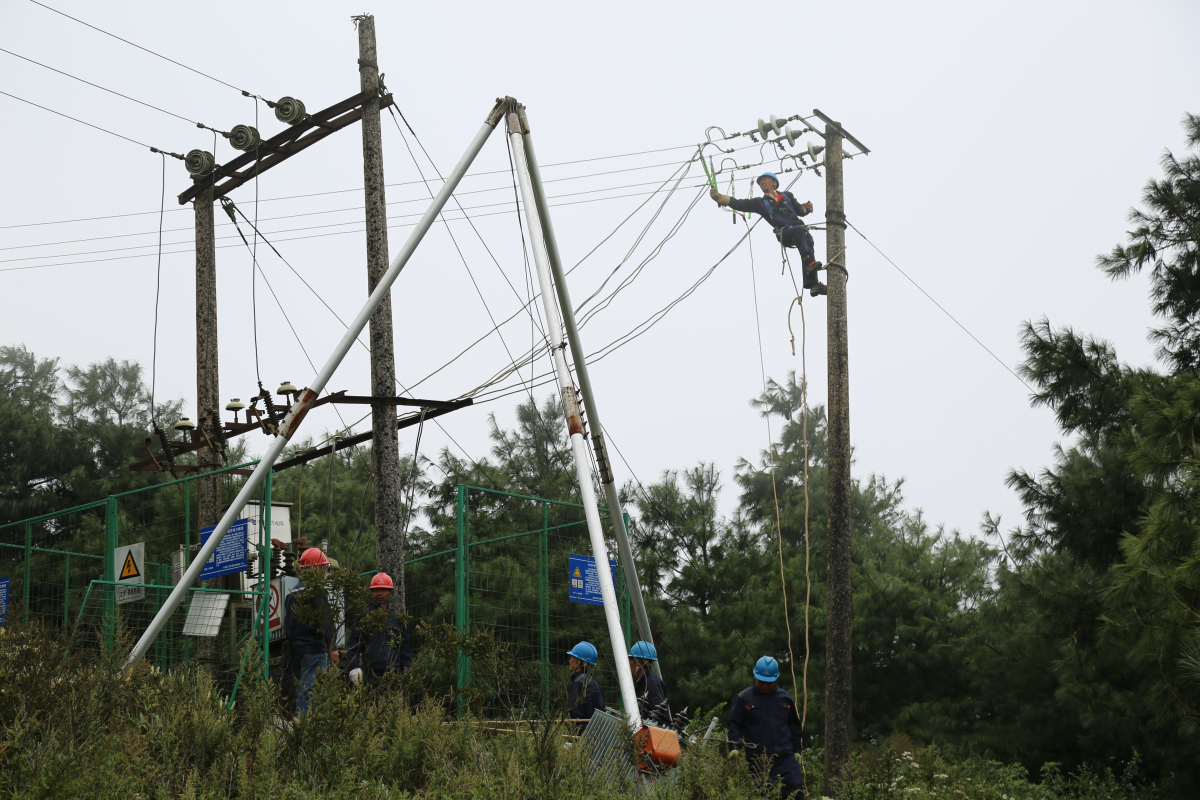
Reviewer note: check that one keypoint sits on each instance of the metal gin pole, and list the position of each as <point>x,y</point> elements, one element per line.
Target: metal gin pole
<point>566,386</point>
<point>616,514</point>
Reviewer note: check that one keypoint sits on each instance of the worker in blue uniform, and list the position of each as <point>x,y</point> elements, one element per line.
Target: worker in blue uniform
<point>763,721</point>
<point>650,690</point>
<point>782,211</point>
<point>379,638</point>
<point>585,695</point>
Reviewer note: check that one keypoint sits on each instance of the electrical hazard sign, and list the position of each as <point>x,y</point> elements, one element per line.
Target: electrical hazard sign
<point>129,569</point>
<point>129,564</point>
<point>585,580</point>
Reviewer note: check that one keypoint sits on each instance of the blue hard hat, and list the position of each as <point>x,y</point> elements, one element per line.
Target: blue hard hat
<point>644,650</point>
<point>767,669</point>
<point>586,652</point>
<point>770,175</point>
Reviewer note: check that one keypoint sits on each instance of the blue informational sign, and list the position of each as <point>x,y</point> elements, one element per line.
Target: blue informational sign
<point>230,555</point>
<point>3,600</point>
<point>584,580</point>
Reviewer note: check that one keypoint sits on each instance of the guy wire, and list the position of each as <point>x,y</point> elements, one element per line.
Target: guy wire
<point>157,292</point>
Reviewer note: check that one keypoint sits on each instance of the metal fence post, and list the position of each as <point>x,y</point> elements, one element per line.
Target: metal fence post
<point>110,570</point>
<point>544,603</point>
<point>28,565</point>
<point>461,610</point>
<point>67,592</point>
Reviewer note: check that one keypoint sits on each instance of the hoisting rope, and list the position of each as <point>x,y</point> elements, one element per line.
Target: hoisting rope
<point>774,488</point>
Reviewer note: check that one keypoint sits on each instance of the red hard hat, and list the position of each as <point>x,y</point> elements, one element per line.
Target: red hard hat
<point>313,557</point>
<point>381,581</point>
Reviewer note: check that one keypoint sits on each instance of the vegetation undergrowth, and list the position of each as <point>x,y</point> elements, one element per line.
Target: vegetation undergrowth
<point>75,724</point>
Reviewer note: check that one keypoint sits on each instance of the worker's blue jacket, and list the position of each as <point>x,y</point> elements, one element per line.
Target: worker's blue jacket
<point>766,720</point>
<point>379,642</point>
<point>306,637</point>
<point>782,214</point>
<point>651,687</point>
<point>585,697</point>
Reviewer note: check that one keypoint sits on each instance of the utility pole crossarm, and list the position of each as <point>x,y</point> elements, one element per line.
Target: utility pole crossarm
<point>283,146</point>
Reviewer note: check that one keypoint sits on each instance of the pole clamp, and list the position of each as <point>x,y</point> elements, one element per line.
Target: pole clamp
<point>835,218</point>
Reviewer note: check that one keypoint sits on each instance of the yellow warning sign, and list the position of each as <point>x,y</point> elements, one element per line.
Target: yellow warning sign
<point>130,569</point>
<point>577,573</point>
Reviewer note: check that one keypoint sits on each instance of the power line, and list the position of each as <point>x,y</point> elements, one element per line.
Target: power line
<point>90,125</point>
<point>102,88</point>
<point>319,213</point>
<point>291,239</point>
<point>405,183</point>
<point>143,49</point>
<point>942,308</point>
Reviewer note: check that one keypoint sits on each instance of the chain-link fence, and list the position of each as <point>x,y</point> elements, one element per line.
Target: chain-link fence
<point>506,574</point>
<point>103,570</point>
<point>512,579</point>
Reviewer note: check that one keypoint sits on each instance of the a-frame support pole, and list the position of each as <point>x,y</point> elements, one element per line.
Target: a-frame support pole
<point>554,330</point>
<point>616,514</point>
<point>294,417</point>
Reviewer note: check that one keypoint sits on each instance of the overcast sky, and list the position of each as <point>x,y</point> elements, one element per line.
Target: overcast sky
<point>1008,141</point>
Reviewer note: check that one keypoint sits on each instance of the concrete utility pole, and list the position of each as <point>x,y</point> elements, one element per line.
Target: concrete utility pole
<point>840,602</point>
<point>385,441</point>
<point>208,389</point>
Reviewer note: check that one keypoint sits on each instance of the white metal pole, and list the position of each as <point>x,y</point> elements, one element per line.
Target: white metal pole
<point>306,398</point>
<point>616,514</point>
<point>554,328</point>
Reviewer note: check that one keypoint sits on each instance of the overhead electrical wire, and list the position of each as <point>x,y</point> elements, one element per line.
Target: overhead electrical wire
<point>97,127</point>
<point>143,49</point>
<point>942,309</point>
<point>311,214</point>
<point>289,239</point>
<point>393,185</point>
<point>104,89</point>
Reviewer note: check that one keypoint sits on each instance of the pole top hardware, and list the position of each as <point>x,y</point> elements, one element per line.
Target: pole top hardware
<point>842,131</point>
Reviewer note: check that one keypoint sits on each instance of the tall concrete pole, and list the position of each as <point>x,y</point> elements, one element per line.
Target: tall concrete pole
<point>385,441</point>
<point>208,390</point>
<point>616,514</point>
<point>840,605</point>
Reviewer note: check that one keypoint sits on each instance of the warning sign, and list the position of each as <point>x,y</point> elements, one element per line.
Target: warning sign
<point>585,580</point>
<point>129,563</point>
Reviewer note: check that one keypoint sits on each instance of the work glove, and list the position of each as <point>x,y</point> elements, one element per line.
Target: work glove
<point>735,754</point>
<point>722,199</point>
<point>355,675</point>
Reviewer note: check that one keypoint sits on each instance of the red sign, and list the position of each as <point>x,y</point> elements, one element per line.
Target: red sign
<point>274,621</point>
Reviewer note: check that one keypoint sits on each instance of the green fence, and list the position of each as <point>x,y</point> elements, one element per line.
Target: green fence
<point>510,578</point>
<point>62,574</point>
<point>502,571</point>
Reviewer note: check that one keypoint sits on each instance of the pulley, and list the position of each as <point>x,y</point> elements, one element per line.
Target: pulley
<point>199,162</point>
<point>289,110</point>
<point>244,137</point>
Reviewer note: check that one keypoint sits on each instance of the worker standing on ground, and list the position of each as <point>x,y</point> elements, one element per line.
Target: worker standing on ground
<point>650,690</point>
<point>763,720</point>
<point>308,625</point>
<point>379,638</point>
<point>585,695</point>
<point>782,212</point>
